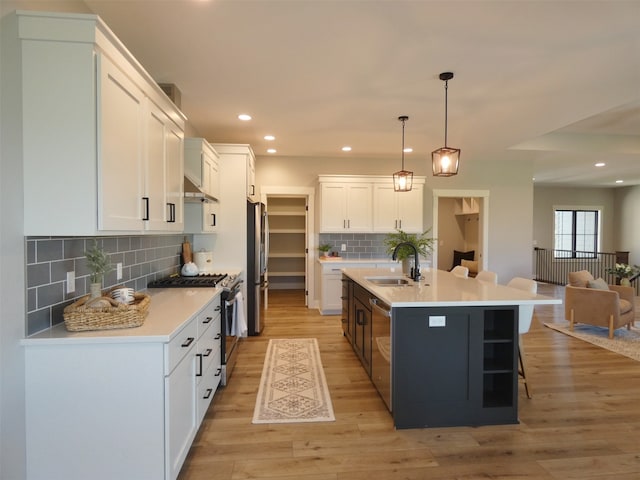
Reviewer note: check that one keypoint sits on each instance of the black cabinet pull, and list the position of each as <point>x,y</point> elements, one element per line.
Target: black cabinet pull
<point>188,342</point>
<point>218,308</point>
<point>207,320</point>
<point>217,337</point>
<point>199,372</point>
<point>218,372</point>
<point>172,213</point>
<point>207,352</point>
<point>146,208</point>
<point>208,393</point>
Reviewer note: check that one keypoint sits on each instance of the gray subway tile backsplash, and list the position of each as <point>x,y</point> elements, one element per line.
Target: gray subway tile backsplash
<point>358,245</point>
<point>143,258</point>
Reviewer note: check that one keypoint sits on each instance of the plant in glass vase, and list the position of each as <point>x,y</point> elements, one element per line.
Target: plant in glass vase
<point>623,272</point>
<point>99,265</point>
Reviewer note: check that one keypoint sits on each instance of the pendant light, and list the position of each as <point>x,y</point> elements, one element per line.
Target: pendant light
<point>403,179</point>
<point>445,160</point>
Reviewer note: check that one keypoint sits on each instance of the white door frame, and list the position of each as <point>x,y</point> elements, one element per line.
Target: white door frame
<point>484,221</point>
<point>309,193</point>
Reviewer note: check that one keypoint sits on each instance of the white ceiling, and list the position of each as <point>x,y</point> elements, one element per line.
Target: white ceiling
<point>552,82</point>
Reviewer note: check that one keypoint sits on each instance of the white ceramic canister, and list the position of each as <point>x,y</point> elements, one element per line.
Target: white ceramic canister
<point>204,261</point>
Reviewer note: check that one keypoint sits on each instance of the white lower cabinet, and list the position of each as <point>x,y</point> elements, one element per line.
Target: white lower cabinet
<point>331,282</point>
<point>120,407</point>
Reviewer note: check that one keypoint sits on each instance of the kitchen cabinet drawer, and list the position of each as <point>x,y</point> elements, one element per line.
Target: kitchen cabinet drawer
<point>206,350</point>
<point>208,317</point>
<point>180,346</point>
<point>208,385</point>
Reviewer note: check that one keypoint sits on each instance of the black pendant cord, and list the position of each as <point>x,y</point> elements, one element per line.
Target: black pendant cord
<point>403,144</point>
<point>446,110</point>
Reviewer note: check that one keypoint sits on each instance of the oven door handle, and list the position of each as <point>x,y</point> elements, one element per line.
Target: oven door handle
<point>230,303</point>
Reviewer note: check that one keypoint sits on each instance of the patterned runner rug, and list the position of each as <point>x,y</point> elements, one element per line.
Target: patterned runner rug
<point>293,387</point>
<point>625,342</point>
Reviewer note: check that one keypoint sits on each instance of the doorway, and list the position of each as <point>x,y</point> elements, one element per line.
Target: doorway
<point>460,222</point>
<point>290,213</point>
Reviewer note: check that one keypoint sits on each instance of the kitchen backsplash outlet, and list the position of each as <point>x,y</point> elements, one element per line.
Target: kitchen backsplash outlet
<point>143,259</point>
<point>358,245</point>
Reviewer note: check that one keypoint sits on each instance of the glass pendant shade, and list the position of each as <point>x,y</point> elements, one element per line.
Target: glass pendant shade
<point>445,161</point>
<point>403,179</point>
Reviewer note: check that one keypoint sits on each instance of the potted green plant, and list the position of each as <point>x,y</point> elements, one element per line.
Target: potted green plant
<point>324,249</point>
<point>422,241</point>
<point>99,265</point>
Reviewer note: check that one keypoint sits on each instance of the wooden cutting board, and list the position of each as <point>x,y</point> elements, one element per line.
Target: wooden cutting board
<point>187,256</point>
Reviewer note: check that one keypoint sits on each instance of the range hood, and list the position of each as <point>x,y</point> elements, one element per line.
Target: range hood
<point>193,193</point>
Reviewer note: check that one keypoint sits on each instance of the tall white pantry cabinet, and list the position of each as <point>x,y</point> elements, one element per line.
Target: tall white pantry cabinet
<point>102,143</point>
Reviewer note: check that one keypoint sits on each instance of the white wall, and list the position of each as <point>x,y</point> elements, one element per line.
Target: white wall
<point>627,222</point>
<point>545,198</point>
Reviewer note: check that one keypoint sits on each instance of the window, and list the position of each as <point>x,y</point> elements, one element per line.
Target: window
<point>576,233</point>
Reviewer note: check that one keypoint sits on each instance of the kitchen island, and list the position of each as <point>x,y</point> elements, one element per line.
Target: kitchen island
<point>442,351</point>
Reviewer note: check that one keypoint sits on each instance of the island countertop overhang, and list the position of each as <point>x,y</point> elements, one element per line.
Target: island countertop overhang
<point>439,288</point>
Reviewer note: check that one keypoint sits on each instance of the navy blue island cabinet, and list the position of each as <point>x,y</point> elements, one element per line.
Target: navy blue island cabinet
<point>454,366</point>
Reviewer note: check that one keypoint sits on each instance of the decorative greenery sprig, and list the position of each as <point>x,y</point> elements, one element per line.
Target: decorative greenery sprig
<point>422,242</point>
<point>622,270</point>
<point>98,262</point>
<point>324,248</point>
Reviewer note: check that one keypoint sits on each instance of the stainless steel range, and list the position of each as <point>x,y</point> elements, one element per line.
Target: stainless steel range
<point>230,284</point>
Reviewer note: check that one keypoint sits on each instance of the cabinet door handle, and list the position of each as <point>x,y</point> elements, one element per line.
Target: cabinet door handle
<point>208,393</point>
<point>213,219</point>
<point>359,320</point>
<point>207,320</point>
<point>145,217</point>
<point>187,342</point>
<point>217,337</point>
<point>395,223</point>
<point>348,223</point>
<point>199,372</point>
<point>400,222</point>
<point>218,372</point>
<point>253,190</point>
<point>218,308</point>
<point>172,212</point>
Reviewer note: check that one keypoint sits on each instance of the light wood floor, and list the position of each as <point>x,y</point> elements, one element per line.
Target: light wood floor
<point>582,423</point>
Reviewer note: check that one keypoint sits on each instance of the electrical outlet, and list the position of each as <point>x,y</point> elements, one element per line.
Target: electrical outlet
<point>119,271</point>
<point>343,247</point>
<point>71,282</point>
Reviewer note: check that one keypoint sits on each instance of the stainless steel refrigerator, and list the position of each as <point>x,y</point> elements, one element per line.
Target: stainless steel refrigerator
<point>257,254</point>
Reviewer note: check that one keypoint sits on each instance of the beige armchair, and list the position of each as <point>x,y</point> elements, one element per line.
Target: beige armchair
<point>594,302</point>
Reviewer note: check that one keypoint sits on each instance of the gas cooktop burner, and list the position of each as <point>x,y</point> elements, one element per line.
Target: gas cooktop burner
<point>200,280</point>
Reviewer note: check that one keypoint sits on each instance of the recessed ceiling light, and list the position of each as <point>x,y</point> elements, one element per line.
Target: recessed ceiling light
<point>269,138</point>
<point>244,117</point>
<point>346,149</point>
<point>271,150</point>
<point>408,150</point>
<point>600,164</point>
<point>619,181</point>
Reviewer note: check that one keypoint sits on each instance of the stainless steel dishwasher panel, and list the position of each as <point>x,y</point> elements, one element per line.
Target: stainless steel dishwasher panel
<point>381,349</point>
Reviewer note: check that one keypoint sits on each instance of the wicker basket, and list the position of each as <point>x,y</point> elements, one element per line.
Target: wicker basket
<point>81,316</point>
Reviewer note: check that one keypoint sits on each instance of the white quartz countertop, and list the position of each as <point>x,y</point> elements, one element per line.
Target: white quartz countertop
<point>169,311</point>
<point>438,288</point>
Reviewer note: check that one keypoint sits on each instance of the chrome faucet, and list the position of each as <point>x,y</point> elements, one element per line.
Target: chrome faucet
<point>415,274</point>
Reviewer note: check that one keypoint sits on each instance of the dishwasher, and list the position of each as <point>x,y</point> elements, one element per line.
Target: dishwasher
<point>381,349</point>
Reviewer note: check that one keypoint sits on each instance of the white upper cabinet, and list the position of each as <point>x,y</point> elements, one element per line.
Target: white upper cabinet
<point>252,191</point>
<point>397,210</point>
<point>345,207</point>
<point>366,204</point>
<point>103,145</point>
<point>202,166</point>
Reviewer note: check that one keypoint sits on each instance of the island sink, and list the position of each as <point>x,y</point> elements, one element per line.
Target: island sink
<point>388,281</point>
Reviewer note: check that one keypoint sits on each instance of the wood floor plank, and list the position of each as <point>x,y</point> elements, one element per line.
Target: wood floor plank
<point>582,422</point>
